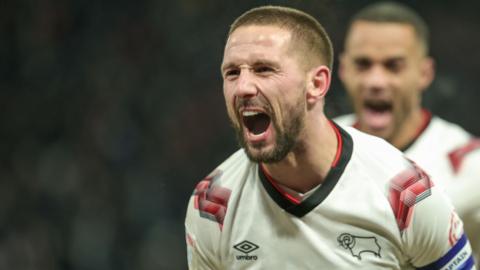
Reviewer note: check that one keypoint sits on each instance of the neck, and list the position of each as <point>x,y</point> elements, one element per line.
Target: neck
<point>307,166</point>
<point>409,131</point>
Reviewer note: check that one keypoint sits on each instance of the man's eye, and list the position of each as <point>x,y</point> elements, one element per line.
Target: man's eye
<point>263,69</point>
<point>394,65</point>
<point>362,64</point>
<point>232,72</point>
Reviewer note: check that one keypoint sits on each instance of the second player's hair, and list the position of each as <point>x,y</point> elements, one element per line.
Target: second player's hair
<point>393,12</point>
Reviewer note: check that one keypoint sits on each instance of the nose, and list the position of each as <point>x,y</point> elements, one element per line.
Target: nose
<point>246,86</point>
<point>376,78</point>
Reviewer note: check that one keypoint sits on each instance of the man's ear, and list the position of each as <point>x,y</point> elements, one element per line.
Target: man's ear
<point>319,79</point>
<point>428,72</point>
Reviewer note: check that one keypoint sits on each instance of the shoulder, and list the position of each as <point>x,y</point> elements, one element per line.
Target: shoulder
<point>211,194</point>
<point>345,120</point>
<point>210,197</point>
<point>207,209</point>
<point>225,174</point>
<point>451,132</point>
<point>404,183</point>
<point>461,144</point>
<point>375,153</point>
<point>415,201</point>
<point>237,162</point>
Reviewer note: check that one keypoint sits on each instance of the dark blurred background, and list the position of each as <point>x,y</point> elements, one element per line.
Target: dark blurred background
<point>111,111</point>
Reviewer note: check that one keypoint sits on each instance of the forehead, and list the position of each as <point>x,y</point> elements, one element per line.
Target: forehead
<point>256,40</point>
<point>382,40</point>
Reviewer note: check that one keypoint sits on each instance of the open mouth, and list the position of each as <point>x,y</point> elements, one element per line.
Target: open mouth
<point>378,106</point>
<point>377,114</point>
<point>256,122</point>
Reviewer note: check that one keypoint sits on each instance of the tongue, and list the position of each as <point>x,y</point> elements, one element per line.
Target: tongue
<point>376,119</point>
<point>257,124</point>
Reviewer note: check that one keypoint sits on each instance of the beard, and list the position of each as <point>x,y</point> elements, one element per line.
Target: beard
<point>286,136</point>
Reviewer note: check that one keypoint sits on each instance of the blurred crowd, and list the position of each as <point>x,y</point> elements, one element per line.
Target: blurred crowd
<point>111,111</point>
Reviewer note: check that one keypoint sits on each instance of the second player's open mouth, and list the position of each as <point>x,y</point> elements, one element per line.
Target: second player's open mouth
<point>378,106</point>
<point>377,114</point>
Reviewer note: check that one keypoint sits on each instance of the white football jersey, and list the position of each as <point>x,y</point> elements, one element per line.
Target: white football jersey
<point>451,156</point>
<point>374,210</point>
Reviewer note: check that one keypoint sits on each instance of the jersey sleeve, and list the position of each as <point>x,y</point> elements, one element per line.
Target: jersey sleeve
<point>206,212</point>
<point>199,239</point>
<point>464,189</point>
<point>431,231</point>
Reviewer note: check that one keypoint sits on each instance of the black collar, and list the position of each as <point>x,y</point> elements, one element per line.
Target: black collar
<point>322,192</point>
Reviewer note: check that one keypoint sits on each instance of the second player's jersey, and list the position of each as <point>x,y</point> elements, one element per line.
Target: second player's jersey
<point>374,210</point>
<point>452,157</point>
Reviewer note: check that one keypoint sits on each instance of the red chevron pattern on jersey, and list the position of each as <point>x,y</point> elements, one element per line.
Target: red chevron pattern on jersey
<point>406,189</point>
<point>456,156</point>
<point>211,200</point>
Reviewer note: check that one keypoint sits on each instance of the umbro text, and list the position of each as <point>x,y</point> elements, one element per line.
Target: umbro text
<point>247,257</point>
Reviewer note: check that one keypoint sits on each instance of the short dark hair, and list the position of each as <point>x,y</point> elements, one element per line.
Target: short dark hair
<point>306,31</point>
<point>393,12</point>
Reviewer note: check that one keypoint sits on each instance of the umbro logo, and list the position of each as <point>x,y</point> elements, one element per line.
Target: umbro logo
<point>246,247</point>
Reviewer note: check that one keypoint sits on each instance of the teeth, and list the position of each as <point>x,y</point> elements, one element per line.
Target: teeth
<point>249,113</point>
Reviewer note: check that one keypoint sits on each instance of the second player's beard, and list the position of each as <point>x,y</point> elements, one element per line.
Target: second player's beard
<point>286,140</point>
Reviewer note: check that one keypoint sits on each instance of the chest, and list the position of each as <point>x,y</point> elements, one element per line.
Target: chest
<point>262,235</point>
